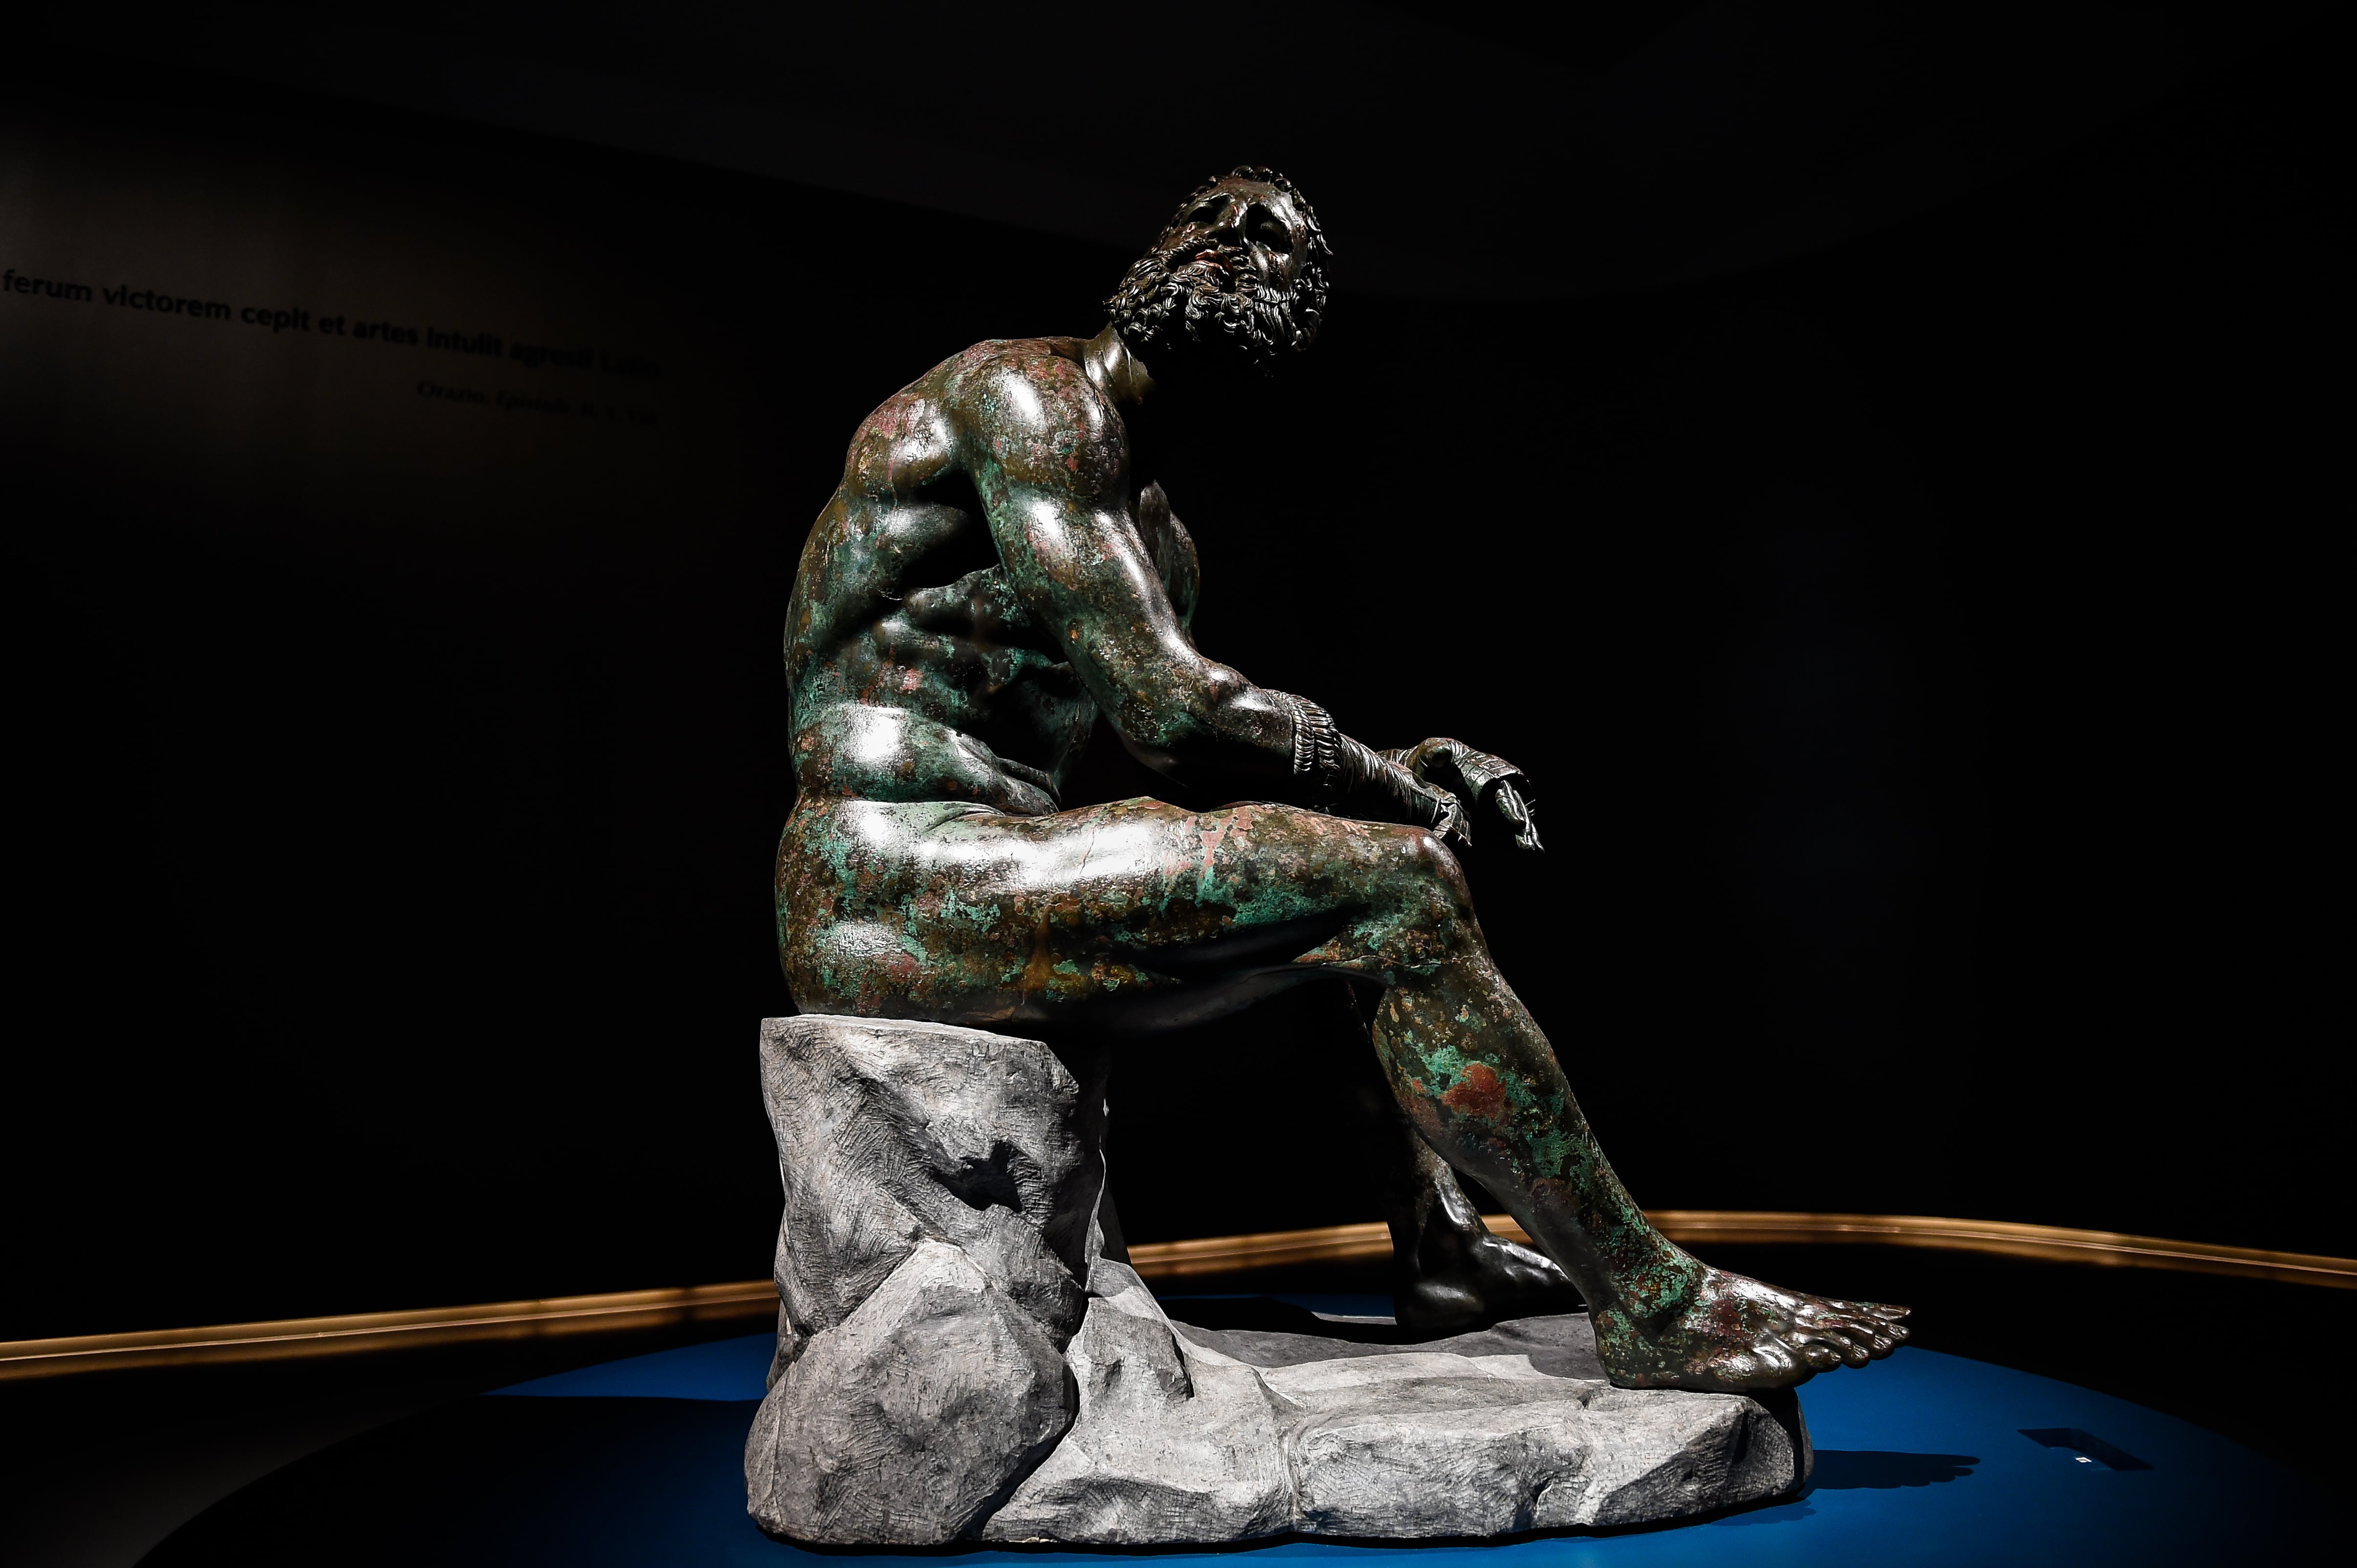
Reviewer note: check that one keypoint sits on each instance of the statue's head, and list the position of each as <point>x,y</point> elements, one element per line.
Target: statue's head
<point>1238,277</point>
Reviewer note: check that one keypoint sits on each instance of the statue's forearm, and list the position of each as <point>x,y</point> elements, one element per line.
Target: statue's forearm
<point>1200,723</point>
<point>1203,722</point>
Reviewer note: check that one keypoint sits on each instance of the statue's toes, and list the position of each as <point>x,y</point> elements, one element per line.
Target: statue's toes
<point>1820,1354</point>
<point>1882,1333</point>
<point>1836,1307</point>
<point>1775,1360</point>
<point>1858,1342</point>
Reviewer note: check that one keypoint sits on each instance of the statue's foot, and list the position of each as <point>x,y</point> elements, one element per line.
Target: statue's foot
<point>1481,1279</point>
<point>1733,1335</point>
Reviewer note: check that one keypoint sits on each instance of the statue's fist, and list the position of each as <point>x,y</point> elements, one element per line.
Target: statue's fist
<point>1437,810</point>
<point>1477,780</point>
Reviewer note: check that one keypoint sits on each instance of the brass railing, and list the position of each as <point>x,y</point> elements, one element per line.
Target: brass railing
<point>2048,1243</point>
<point>290,1338</point>
<point>752,1300</point>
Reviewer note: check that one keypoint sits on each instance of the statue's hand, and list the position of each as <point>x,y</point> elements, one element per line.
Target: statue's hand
<point>1476,779</point>
<point>1435,809</point>
<point>1399,796</point>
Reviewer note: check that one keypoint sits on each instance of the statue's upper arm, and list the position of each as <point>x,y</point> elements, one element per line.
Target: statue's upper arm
<point>1050,462</point>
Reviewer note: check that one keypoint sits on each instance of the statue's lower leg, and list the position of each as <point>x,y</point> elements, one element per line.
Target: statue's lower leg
<point>1450,1273</point>
<point>1482,1085</point>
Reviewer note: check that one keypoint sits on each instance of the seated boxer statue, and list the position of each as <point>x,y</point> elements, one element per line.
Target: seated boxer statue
<point>995,572</point>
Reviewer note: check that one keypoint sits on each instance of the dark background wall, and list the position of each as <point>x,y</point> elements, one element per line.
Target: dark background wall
<point>1925,642</point>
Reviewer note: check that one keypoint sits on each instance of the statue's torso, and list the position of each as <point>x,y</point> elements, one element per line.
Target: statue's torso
<point>915,670</point>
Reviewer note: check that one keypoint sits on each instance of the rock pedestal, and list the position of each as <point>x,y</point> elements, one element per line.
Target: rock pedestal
<point>958,1357</point>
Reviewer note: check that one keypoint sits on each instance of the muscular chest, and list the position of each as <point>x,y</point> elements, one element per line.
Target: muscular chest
<point>917,536</point>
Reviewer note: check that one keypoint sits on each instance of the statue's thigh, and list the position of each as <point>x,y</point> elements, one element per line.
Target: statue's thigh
<point>943,912</point>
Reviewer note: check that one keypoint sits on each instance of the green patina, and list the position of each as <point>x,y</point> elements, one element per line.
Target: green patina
<point>980,916</point>
<point>1549,1150</point>
<point>1445,1065</point>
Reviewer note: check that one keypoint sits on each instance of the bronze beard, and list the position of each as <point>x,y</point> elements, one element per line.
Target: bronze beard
<point>1219,311</point>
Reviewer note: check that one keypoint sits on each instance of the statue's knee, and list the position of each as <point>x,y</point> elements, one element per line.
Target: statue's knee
<point>1428,874</point>
<point>1423,851</point>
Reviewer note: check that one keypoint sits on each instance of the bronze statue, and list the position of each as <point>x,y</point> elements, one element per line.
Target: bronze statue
<point>994,572</point>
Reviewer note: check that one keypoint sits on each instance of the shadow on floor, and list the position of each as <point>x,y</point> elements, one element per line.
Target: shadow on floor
<point>1880,1469</point>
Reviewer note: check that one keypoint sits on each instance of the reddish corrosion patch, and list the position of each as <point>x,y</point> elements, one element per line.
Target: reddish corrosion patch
<point>1478,1093</point>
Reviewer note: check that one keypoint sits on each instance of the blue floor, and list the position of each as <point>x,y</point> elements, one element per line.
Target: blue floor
<point>1921,1459</point>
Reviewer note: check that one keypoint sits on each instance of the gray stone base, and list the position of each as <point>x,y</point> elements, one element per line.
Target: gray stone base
<point>1193,1434</point>
<point>958,1356</point>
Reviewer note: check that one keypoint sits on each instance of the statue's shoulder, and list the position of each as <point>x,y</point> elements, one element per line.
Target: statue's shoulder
<point>1016,387</point>
<point>1023,387</point>
<point>1024,406</point>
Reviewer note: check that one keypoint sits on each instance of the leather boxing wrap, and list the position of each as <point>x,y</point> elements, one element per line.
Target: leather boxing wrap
<point>1340,769</point>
